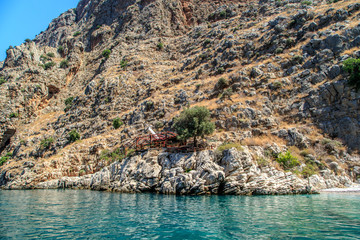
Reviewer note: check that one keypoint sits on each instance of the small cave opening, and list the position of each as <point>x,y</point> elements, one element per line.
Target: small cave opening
<point>52,91</point>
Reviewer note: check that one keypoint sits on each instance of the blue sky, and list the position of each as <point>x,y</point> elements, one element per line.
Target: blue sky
<point>21,19</point>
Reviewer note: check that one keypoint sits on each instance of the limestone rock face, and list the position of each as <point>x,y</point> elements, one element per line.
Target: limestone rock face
<point>236,172</point>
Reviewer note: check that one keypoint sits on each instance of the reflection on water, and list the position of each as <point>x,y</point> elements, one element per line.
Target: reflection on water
<point>95,215</point>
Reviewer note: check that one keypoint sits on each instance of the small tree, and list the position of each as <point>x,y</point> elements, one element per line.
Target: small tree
<point>352,66</point>
<point>117,123</point>
<point>193,122</point>
<point>106,53</point>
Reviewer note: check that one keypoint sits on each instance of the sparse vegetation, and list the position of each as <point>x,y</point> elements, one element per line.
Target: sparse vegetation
<point>193,122</point>
<point>352,66</point>
<point>68,103</point>
<point>160,46</point>
<point>262,162</point>
<point>287,161</point>
<point>123,64</point>
<point>64,64</point>
<point>117,123</point>
<point>226,94</point>
<point>308,3</point>
<point>5,158</point>
<point>46,143</point>
<point>279,50</point>
<point>28,40</point>
<point>221,84</point>
<point>111,157</point>
<point>76,34</point>
<point>48,65</point>
<point>50,54</point>
<point>106,53</point>
<point>13,115</point>
<point>73,136</point>
<point>60,49</point>
<point>2,80</point>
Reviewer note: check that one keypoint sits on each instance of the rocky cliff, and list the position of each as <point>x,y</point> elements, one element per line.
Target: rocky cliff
<point>269,71</point>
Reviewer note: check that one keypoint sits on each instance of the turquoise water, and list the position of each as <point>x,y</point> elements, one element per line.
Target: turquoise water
<point>70,214</point>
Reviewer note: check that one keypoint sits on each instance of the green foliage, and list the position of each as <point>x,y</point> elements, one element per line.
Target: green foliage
<point>69,101</point>
<point>123,63</point>
<point>13,115</point>
<point>352,66</point>
<point>220,70</point>
<point>130,152</point>
<point>77,34</point>
<point>279,50</point>
<point>160,46</point>
<point>5,158</point>
<point>262,162</point>
<point>43,58</point>
<point>46,143</point>
<point>98,26</point>
<point>73,136</point>
<point>287,161</point>
<point>187,170</point>
<point>117,123</point>
<point>106,53</point>
<point>110,157</point>
<point>226,146</point>
<point>206,42</point>
<point>48,65</point>
<point>193,122</point>
<point>28,40</point>
<point>226,94</point>
<point>64,64</point>
<point>297,59</point>
<point>308,3</point>
<point>308,170</point>
<point>50,54</point>
<point>221,84</point>
<point>60,49</point>
<point>2,80</point>
<point>159,124</point>
<point>149,105</point>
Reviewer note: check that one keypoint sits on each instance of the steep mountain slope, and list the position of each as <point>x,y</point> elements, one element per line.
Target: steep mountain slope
<point>282,88</point>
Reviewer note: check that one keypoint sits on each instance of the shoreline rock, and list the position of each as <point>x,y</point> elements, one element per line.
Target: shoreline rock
<point>201,173</point>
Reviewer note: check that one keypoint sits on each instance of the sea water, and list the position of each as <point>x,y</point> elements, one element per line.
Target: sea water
<point>82,214</point>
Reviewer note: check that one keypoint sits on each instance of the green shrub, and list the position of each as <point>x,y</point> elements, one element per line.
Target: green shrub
<point>68,103</point>
<point>279,50</point>
<point>110,157</point>
<point>43,58</point>
<point>206,42</point>
<point>262,162</point>
<point>13,115</point>
<point>221,84</point>
<point>77,34</point>
<point>48,65</point>
<point>106,53</point>
<point>308,3</point>
<point>64,64</point>
<point>226,146</point>
<point>28,40</point>
<point>226,94</point>
<point>160,46</point>
<point>149,105</point>
<point>117,123</point>
<point>352,66</point>
<point>158,124</point>
<point>2,80</point>
<point>287,161</point>
<point>60,49</point>
<point>297,59</point>
<point>50,54</point>
<point>46,143</point>
<point>73,136</point>
<point>123,63</point>
<point>130,152</point>
<point>5,158</point>
<point>220,70</point>
<point>187,170</point>
<point>98,26</point>
<point>308,170</point>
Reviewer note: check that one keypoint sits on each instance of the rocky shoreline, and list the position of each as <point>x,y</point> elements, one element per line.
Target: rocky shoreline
<point>234,173</point>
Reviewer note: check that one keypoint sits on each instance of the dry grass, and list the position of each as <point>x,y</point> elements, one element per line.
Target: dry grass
<point>263,141</point>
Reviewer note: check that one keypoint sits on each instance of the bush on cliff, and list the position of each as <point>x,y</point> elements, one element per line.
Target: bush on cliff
<point>73,136</point>
<point>5,158</point>
<point>352,66</point>
<point>287,161</point>
<point>193,122</point>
